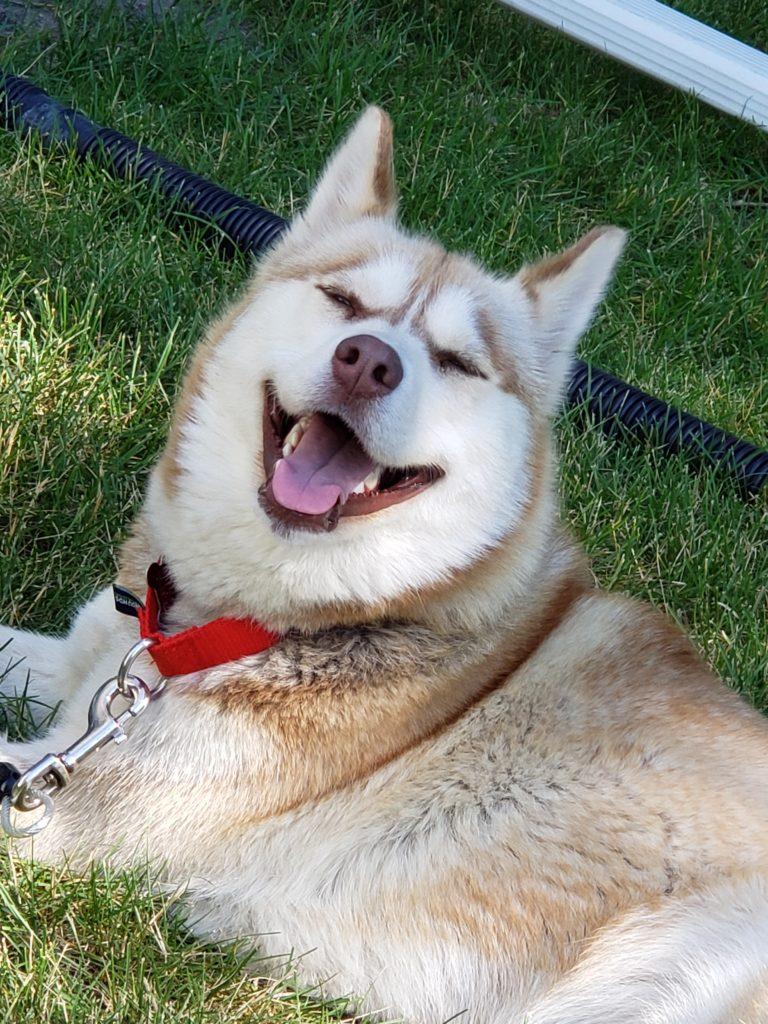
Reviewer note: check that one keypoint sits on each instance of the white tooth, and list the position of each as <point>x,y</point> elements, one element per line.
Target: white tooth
<point>371,482</point>
<point>293,436</point>
<point>360,488</point>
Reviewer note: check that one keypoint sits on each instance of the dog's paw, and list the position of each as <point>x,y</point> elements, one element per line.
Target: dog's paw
<point>27,682</point>
<point>14,668</point>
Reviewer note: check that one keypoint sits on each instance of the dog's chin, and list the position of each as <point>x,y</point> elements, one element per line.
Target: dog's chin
<point>290,508</point>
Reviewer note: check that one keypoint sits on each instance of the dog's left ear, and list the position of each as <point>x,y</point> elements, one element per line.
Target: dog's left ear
<point>563,293</point>
<point>359,180</point>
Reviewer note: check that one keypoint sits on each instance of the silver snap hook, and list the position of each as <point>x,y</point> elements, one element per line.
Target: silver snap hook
<point>36,787</point>
<point>124,671</point>
<point>15,831</point>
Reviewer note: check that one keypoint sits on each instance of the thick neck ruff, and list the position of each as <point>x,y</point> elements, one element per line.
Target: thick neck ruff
<point>195,649</point>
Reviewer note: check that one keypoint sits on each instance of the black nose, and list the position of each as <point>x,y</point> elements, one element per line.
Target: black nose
<point>366,367</point>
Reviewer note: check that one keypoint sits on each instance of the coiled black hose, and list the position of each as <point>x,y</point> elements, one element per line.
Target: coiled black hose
<point>610,401</point>
<point>25,106</point>
<point>614,404</point>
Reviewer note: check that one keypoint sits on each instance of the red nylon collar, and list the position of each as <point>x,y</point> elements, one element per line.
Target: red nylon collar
<point>199,647</point>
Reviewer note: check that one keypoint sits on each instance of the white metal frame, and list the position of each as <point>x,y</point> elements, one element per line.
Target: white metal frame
<point>668,45</point>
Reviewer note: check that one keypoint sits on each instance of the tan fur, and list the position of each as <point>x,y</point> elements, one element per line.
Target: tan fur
<point>490,792</point>
<point>438,269</point>
<point>501,358</point>
<point>384,189</point>
<point>546,269</point>
<point>358,717</point>
<point>192,389</point>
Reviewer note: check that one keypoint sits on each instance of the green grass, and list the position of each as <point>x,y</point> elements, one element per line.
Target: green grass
<point>101,949</point>
<point>512,140</point>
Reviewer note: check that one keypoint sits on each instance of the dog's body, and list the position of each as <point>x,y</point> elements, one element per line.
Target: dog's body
<point>465,780</point>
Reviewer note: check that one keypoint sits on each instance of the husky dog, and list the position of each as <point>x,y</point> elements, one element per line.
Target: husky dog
<point>464,781</point>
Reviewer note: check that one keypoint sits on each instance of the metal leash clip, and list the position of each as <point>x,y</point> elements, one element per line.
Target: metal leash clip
<point>37,786</point>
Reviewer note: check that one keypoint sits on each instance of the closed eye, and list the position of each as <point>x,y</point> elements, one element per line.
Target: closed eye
<point>451,362</point>
<point>341,299</point>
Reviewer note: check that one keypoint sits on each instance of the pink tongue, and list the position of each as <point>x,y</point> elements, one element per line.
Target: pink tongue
<point>325,468</point>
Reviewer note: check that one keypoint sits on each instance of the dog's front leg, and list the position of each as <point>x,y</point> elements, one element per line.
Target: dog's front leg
<point>32,668</point>
<point>166,794</point>
<point>22,755</point>
<point>45,670</point>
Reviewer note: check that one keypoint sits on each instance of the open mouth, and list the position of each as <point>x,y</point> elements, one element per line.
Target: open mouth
<point>317,471</point>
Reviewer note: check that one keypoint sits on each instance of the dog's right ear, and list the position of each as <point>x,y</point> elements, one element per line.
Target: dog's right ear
<point>359,180</point>
<point>563,293</point>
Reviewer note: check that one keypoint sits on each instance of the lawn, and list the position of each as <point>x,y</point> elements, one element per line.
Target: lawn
<point>512,141</point>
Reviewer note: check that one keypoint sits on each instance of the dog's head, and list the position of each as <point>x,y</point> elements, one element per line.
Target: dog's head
<point>366,423</point>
